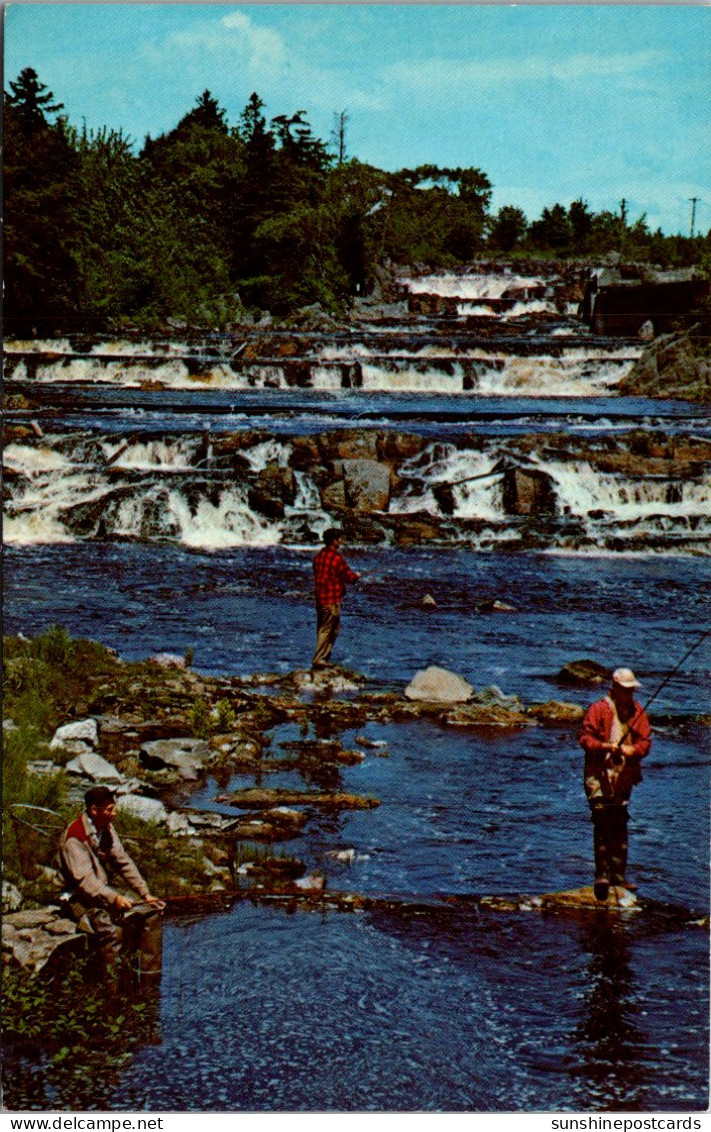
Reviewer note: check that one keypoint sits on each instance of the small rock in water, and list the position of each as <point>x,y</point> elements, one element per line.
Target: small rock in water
<point>428,602</point>
<point>496,607</point>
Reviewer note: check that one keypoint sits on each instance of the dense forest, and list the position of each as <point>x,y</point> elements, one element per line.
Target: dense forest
<point>214,218</point>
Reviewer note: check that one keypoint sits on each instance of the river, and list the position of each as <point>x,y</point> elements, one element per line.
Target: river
<point>403,1008</point>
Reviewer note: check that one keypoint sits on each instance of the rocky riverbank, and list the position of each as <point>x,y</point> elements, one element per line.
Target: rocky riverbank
<point>156,731</point>
<point>674,365</point>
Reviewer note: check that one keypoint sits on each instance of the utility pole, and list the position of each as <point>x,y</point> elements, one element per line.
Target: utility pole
<point>693,213</point>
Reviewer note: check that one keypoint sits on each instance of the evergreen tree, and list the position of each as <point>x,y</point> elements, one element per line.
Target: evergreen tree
<point>40,166</point>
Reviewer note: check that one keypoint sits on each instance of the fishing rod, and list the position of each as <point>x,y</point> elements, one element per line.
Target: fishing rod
<point>642,709</point>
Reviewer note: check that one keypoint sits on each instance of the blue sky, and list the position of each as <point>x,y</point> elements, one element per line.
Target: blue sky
<point>552,102</point>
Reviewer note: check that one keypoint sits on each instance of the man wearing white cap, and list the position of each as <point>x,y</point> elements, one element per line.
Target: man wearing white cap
<point>615,736</point>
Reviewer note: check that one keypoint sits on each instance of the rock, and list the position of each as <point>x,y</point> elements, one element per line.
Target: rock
<point>438,685</point>
<point>333,496</point>
<point>168,660</point>
<point>348,444</point>
<point>496,606</point>
<point>38,942</point>
<point>283,816</point>
<point>144,809</point>
<point>11,897</point>
<point>394,447</point>
<point>646,331</point>
<point>188,756</point>
<point>9,725</point>
<point>492,715</point>
<point>528,491</point>
<point>312,883</point>
<point>42,768</point>
<point>555,711</point>
<point>366,485</point>
<point>584,672</point>
<point>32,918</point>
<point>84,730</point>
<point>428,602</point>
<point>91,765</point>
<point>494,697</point>
<point>260,798</point>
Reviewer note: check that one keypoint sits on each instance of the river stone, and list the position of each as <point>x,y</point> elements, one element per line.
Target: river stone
<point>145,809</point>
<point>584,672</point>
<point>91,765</point>
<point>557,711</point>
<point>83,729</point>
<point>438,685</point>
<point>367,485</point>
<point>188,756</point>
<point>494,697</point>
<point>487,715</point>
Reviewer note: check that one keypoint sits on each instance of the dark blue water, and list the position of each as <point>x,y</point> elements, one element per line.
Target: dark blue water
<point>389,1011</point>
<point>287,411</point>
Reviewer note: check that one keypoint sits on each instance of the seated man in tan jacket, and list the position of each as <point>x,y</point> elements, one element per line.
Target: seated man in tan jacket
<point>90,851</point>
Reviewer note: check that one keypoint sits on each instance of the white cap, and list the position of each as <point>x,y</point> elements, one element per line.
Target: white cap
<point>626,678</point>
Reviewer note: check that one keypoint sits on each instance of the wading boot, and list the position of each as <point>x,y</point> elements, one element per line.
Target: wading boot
<point>618,848</point>
<point>601,845</point>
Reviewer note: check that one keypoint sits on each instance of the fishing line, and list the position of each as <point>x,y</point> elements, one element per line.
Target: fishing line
<point>664,683</point>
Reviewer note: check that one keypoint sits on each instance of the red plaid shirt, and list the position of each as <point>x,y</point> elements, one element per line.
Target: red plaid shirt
<point>331,572</point>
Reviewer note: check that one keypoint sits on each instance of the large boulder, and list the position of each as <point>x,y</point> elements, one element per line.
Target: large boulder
<point>528,491</point>
<point>367,485</point>
<point>82,730</point>
<point>438,685</point>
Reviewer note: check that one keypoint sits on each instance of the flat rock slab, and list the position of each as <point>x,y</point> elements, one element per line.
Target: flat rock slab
<point>619,899</point>
<point>258,798</point>
<point>492,715</point>
<point>188,756</point>
<point>37,939</point>
<point>90,765</point>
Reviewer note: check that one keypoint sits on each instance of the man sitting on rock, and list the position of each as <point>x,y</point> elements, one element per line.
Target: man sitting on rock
<point>331,573</point>
<point>90,850</point>
<point>615,737</point>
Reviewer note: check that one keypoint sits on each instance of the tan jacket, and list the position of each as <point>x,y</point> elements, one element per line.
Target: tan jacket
<point>86,861</point>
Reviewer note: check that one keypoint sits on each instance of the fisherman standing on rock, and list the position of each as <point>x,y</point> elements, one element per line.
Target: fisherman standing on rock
<point>615,736</point>
<point>331,574</point>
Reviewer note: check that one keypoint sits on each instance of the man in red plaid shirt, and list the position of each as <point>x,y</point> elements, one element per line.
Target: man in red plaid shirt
<point>331,573</point>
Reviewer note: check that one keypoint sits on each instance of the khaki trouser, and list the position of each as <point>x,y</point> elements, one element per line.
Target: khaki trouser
<point>328,621</point>
<point>137,933</point>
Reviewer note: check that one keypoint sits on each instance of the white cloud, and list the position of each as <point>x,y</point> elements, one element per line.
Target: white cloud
<point>452,73</point>
<point>234,37</point>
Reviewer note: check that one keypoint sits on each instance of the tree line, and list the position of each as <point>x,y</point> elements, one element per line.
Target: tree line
<point>212,218</point>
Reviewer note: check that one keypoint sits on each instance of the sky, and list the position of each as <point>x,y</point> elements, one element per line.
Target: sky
<point>553,102</point>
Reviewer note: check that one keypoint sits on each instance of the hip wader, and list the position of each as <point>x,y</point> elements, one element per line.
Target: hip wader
<point>610,845</point>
